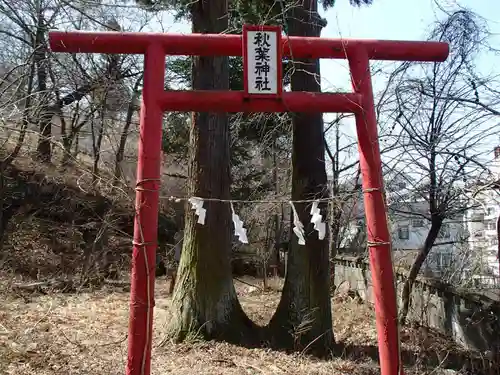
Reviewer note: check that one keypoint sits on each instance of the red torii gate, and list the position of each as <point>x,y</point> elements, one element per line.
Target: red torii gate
<point>155,100</point>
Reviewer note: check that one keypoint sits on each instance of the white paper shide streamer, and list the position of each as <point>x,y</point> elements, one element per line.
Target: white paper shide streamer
<point>239,231</point>
<point>197,205</point>
<point>316,219</point>
<point>298,227</point>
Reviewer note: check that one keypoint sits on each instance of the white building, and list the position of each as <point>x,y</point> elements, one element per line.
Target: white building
<point>409,224</point>
<point>482,226</point>
<point>467,248</point>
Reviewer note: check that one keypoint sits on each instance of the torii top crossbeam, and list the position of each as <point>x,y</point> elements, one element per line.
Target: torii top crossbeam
<point>230,45</point>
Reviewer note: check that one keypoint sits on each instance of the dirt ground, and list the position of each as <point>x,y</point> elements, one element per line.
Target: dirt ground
<point>76,334</point>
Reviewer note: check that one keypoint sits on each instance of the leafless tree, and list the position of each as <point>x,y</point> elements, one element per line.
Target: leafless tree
<point>442,136</point>
<point>61,82</point>
<point>52,102</point>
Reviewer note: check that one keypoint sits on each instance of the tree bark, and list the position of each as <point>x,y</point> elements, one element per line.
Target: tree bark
<point>68,135</point>
<point>120,153</point>
<point>97,140</point>
<point>204,299</point>
<point>278,216</point>
<point>44,152</point>
<point>436,224</point>
<point>303,319</point>
<point>76,149</point>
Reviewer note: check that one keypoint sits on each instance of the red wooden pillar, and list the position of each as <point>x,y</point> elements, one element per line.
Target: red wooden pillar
<point>146,217</point>
<point>378,236</point>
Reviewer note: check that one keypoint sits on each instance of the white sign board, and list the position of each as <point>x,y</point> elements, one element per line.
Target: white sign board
<point>262,72</point>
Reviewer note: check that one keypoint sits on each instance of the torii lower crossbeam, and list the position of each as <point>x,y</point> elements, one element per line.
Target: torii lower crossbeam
<point>155,100</point>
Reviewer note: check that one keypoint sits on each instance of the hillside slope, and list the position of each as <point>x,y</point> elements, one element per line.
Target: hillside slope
<point>58,227</point>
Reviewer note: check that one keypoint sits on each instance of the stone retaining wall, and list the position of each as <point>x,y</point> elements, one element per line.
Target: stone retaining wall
<point>473,320</point>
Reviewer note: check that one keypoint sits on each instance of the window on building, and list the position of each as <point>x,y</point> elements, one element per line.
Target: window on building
<point>417,223</point>
<point>446,260</point>
<point>442,261</point>
<point>444,232</point>
<point>404,232</point>
<point>491,225</point>
<point>489,210</point>
<point>437,259</point>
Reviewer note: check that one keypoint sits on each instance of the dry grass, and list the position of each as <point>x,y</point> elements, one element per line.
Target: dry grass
<point>86,334</point>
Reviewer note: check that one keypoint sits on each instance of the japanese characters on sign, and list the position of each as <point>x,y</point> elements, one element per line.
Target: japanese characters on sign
<point>262,60</point>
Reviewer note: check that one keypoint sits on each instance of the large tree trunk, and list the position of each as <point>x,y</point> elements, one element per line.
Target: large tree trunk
<point>436,224</point>
<point>303,319</point>
<point>205,300</point>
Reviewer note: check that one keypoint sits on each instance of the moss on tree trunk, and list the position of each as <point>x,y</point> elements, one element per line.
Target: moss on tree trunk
<point>303,318</point>
<point>205,301</point>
